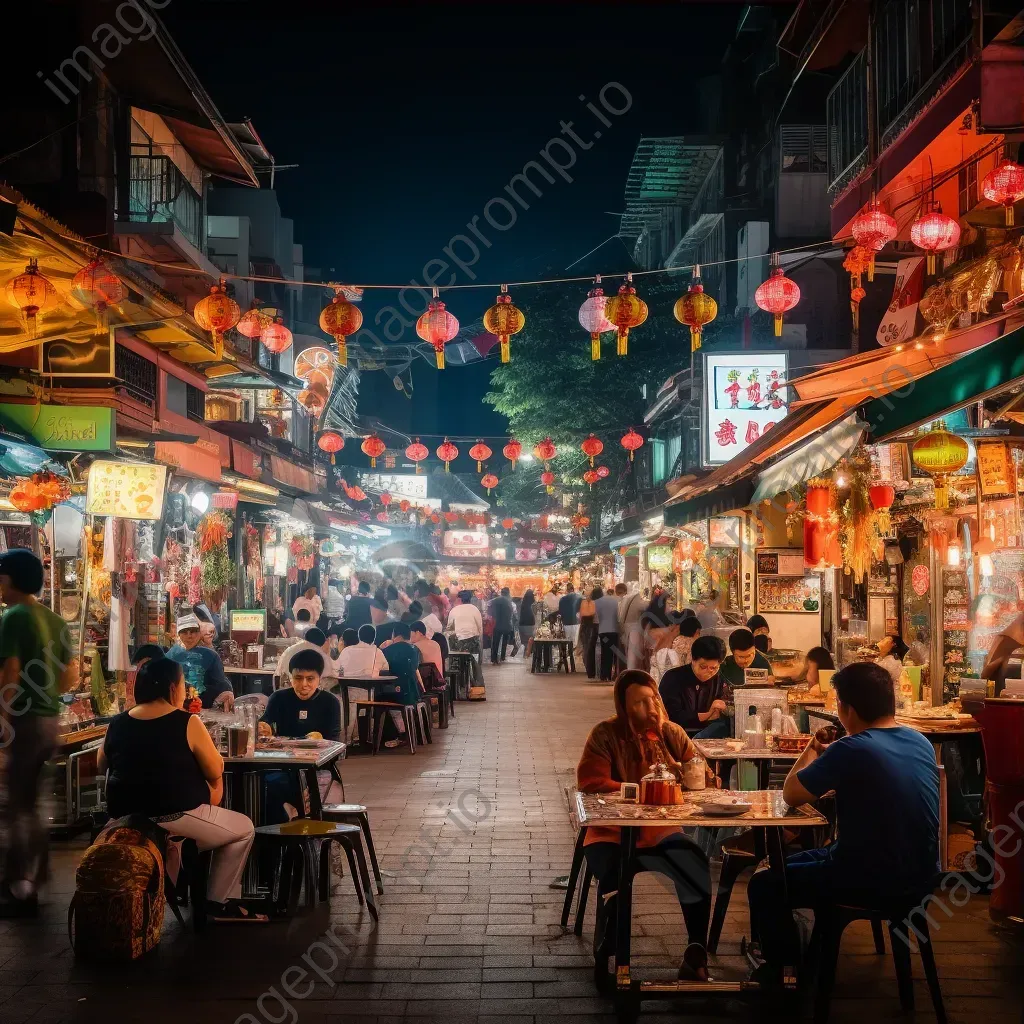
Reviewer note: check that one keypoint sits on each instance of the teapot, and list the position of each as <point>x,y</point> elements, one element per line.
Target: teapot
<point>660,786</point>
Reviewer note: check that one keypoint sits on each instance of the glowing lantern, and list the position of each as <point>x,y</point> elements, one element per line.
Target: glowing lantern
<point>253,323</point>
<point>382,517</point>
<point>33,295</point>
<point>547,478</point>
<point>625,311</point>
<point>1005,185</point>
<point>447,452</point>
<point>416,453</point>
<point>313,399</point>
<point>330,441</point>
<point>340,320</point>
<point>821,523</point>
<point>592,447</point>
<point>858,261</point>
<point>217,313</point>
<point>777,295</point>
<point>593,319</point>
<point>385,498</point>
<point>503,320</point>
<point>631,441</point>
<point>881,496</point>
<point>512,451</point>
<point>934,232</point>
<point>940,454</point>
<point>437,327</point>
<point>580,522</point>
<point>695,309</point>
<point>374,447</point>
<point>507,524</point>
<point>591,478</point>
<point>489,481</point>
<point>23,497</point>
<point>873,229</point>
<point>435,518</point>
<point>603,472</point>
<point>97,287</point>
<point>451,517</point>
<point>276,337</point>
<point>404,505</point>
<point>481,453</point>
<point>545,451</point>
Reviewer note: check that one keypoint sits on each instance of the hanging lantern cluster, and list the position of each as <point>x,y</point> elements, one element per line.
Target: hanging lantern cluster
<point>503,320</point>
<point>98,288</point>
<point>416,453</point>
<point>934,232</point>
<point>253,322</point>
<point>592,317</point>
<point>940,454</point>
<point>873,229</point>
<point>373,447</point>
<point>217,313</point>
<point>512,451</point>
<point>631,442</point>
<point>882,495</point>
<point>40,492</point>
<point>778,295</point>
<point>32,295</point>
<point>437,327</point>
<point>1004,185</point>
<point>341,319</point>
<point>545,451</point>
<point>330,442</point>
<point>481,453</point>
<point>695,309</point>
<point>625,311</point>
<point>489,481</point>
<point>447,453</point>
<point>592,447</point>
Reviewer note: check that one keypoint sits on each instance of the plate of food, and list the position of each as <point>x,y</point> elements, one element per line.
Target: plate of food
<point>725,808</point>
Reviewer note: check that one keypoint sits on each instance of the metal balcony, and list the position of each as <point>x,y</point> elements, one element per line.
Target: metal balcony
<point>847,120</point>
<point>160,194</point>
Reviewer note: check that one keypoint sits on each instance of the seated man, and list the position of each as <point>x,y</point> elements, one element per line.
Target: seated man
<point>202,667</point>
<point>430,654</point>
<point>744,655</point>
<point>694,694</point>
<point>886,784</point>
<point>360,657</point>
<point>622,749</point>
<point>404,663</point>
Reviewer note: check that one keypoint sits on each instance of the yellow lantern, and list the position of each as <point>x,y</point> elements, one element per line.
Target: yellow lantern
<point>695,309</point>
<point>503,320</point>
<point>32,295</point>
<point>940,454</point>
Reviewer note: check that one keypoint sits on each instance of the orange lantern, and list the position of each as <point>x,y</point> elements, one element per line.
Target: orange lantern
<point>873,230</point>
<point>253,322</point>
<point>217,313</point>
<point>481,453</point>
<point>512,451</point>
<point>592,447</point>
<point>32,295</point>
<point>341,319</point>
<point>695,309</point>
<point>934,232</point>
<point>547,478</point>
<point>22,496</point>
<point>97,287</point>
<point>437,327</point>
<point>858,261</point>
<point>591,478</point>
<point>331,442</point>
<point>447,452</point>
<point>374,447</point>
<point>489,481</point>
<point>1005,185</point>
<point>603,472</point>
<point>882,495</point>
<point>631,442</point>
<point>276,337</point>
<point>416,453</point>
<point>940,454</point>
<point>580,522</point>
<point>821,524</point>
<point>503,320</point>
<point>778,295</point>
<point>451,518</point>
<point>507,524</point>
<point>625,311</point>
<point>385,498</point>
<point>545,451</point>
<point>404,505</point>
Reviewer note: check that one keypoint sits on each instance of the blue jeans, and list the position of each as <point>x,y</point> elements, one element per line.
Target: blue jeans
<point>717,729</point>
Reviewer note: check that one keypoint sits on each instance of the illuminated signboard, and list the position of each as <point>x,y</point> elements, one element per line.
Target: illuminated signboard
<point>128,490</point>
<point>398,485</point>
<point>466,543</point>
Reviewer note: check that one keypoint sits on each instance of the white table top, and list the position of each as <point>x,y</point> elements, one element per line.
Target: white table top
<point>318,756</point>
<point>725,750</point>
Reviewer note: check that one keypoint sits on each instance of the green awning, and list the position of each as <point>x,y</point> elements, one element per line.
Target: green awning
<point>968,379</point>
<point>714,503</point>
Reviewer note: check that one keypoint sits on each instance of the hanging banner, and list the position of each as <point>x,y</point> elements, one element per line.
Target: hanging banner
<point>994,470</point>
<point>900,320</point>
<point>70,428</point>
<point>128,490</point>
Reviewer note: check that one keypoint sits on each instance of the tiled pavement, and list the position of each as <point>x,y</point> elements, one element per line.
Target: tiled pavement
<point>469,926</point>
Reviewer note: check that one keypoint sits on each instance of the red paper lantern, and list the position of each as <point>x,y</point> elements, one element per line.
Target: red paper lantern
<point>489,481</point>
<point>547,478</point>
<point>591,478</point>
<point>631,442</point>
<point>503,320</point>
<point>507,524</point>
<point>382,517</point>
<point>435,518</point>
<point>340,320</point>
<point>276,337</point>
<point>330,441</point>
<point>934,232</point>
<point>417,452</point>
<point>437,327</point>
<point>603,472</point>
<point>512,451</point>
<point>447,452</point>
<point>451,517</point>
<point>217,313</point>
<point>593,319</point>
<point>385,498</point>
<point>374,447</point>
<point>404,505</point>
<point>821,525</point>
<point>32,295</point>
<point>1005,185</point>
<point>481,453</point>
<point>253,323</point>
<point>874,229</point>
<point>545,451</point>
<point>592,447</point>
<point>97,287</point>
<point>777,295</point>
<point>625,311</point>
<point>882,495</point>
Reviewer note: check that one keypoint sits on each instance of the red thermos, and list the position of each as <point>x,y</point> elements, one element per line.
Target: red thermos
<point>1002,724</point>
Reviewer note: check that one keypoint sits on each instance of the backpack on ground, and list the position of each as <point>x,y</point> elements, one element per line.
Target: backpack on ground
<point>117,911</point>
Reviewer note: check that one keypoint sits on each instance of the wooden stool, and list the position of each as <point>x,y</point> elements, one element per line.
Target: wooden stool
<point>355,814</point>
<point>377,710</point>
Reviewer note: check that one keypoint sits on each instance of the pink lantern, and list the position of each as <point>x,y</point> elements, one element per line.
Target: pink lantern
<point>592,318</point>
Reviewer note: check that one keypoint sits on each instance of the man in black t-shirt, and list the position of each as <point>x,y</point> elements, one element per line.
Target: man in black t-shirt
<point>693,694</point>
<point>358,613</point>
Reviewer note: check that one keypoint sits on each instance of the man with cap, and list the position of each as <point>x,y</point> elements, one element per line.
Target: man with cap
<point>202,667</point>
<point>38,666</point>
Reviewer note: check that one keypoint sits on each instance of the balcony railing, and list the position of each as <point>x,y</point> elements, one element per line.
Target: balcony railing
<point>160,194</point>
<point>847,116</point>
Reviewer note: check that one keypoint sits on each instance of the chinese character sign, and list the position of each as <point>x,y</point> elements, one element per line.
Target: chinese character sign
<point>745,395</point>
<point>128,490</point>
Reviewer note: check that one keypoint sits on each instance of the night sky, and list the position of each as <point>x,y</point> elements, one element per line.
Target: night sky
<point>406,120</point>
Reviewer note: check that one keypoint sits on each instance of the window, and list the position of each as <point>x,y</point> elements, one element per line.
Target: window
<point>658,471</point>
<point>138,374</point>
<point>177,396</point>
<point>967,180</point>
<point>804,148</point>
<point>195,403</point>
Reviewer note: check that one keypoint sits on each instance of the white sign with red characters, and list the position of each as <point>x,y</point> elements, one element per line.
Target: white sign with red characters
<point>745,395</point>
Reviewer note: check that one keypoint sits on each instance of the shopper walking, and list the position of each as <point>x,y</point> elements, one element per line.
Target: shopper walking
<point>500,610</point>
<point>607,611</point>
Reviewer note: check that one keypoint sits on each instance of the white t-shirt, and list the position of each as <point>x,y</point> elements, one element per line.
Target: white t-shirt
<point>433,624</point>
<point>313,605</point>
<point>362,659</point>
<point>465,620</point>
<point>551,600</point>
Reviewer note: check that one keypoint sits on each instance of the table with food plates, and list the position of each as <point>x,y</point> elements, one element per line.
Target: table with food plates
<point>545,649</point>
<point>763,811</point>
<point>717,751</point>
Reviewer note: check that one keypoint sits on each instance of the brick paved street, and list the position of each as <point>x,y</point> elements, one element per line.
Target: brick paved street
<point>469,926</point>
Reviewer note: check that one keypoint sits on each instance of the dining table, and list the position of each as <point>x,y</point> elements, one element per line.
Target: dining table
<point>717,751</point>
<point>545,648</point>
<point>368,683</point>
<point>461,662</point>
<point>767,816</point>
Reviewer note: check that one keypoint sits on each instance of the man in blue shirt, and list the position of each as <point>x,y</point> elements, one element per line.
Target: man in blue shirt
<point>202,667</point>
<point>403,662</point>
<point>886,784</point>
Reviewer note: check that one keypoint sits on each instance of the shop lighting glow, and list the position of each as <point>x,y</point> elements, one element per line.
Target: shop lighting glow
<point>985,564</point>
<point>953,556</point>
<point>200,501</point>
<point>526,457</point>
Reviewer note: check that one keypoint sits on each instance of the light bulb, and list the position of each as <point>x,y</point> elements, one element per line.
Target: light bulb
<point>840,480</point>
<point>985,564</point>
<point>200,502</point>
<point>953,555</point>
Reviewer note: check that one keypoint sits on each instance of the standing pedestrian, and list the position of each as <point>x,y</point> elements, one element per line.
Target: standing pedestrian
<point>607,611</point>
<point>568,609</point>
<point>500,610</point>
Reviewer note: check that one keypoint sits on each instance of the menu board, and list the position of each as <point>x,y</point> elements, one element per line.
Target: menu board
<point>128,490</point>
<point>248,620</point>
<point>789,594</point>
<point>994,469</point>
<point>781,562</point>
<point>956,624</point>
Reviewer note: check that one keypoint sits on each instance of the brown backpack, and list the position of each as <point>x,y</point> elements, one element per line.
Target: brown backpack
<point>117,911</point>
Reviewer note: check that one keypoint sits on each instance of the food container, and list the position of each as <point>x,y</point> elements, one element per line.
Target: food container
<point>660,786</point>
<point>695,773</point>
<point>792,744</point>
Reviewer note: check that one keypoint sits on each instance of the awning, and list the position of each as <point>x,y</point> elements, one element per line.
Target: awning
<point>713,503</point>
<point>811,459</point>
<point>969,379</point>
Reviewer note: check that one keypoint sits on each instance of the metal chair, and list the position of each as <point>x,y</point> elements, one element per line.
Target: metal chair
<point>356,814</point>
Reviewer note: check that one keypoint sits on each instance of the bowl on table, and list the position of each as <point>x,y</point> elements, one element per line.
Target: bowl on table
<point>724,808</point>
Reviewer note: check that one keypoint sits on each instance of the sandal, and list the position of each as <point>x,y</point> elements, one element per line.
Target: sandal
<point>234,912</point>
<point>694,965</point>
